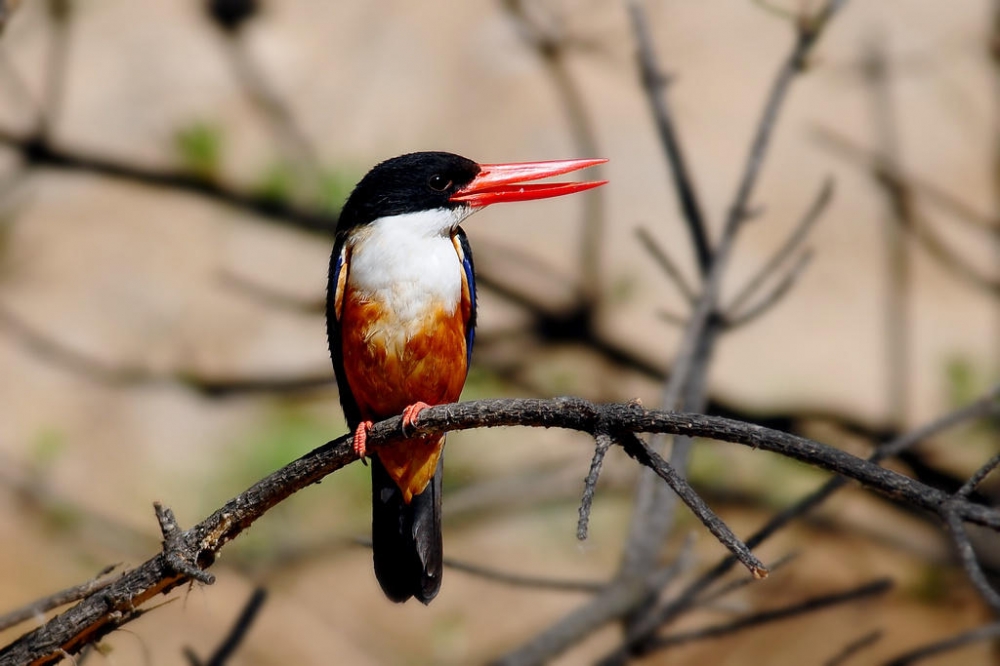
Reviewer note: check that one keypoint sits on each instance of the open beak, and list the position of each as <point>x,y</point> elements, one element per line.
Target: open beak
<point>496,183</point>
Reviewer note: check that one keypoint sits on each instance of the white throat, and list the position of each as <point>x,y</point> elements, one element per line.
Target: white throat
<point>408,262</point>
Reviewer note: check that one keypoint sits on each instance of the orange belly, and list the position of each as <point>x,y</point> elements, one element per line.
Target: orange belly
<point>391,364</point>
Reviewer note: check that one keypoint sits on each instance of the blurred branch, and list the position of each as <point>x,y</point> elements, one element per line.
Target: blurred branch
<point>7,8</point>
<point>792,243</point>
<point>811,605</point>
<point>655,83</point>
<point>60,13</point>
<point>49,349</point>
<point>936,648</point>
<point>898,290</point>
<point>520,580</point>
<point>773,297</point>
<point>956,530</point>
<point>900,188</point>
<point>552,49</point>
<point>236,634</point>
<point>37,608</point>
<point>186,553</point>
<point>668,265</point>
<point>854,647</point>
<point>848,149</point>
<point>985,406</point>
<point>37,151</point>
<point>686,388</point>
<point>232,17</point>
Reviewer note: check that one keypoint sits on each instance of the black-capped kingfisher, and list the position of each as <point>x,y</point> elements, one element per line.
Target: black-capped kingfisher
<point>401,317</point>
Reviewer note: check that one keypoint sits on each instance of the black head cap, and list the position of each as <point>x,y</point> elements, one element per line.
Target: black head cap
<point>407,184</point>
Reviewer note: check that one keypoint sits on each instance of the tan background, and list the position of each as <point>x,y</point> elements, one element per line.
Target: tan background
<point>133,276</point>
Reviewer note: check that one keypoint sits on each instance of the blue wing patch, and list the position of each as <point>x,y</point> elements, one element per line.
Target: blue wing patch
<point>465,254</point>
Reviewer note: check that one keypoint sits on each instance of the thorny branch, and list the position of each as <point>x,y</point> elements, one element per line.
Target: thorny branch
<point>199,546</point>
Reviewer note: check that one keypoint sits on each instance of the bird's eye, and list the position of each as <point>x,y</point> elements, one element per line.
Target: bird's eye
<point>438,183</point>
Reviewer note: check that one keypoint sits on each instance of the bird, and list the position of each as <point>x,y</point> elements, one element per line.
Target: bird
<point>401,319</point>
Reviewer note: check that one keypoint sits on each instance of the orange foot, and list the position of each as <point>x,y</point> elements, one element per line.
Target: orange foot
<point>361,437</point>
<point>410,415</point>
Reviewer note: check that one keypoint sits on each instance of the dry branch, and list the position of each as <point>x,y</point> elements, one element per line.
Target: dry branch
<point>121,601</point>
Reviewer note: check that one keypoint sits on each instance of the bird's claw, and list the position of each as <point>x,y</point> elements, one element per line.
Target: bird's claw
<point>410,415</point>
<point>361,438</point>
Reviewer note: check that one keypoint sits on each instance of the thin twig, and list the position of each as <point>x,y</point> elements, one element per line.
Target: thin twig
<point>740,583</point>
<point>792,243</point>
<point>539,583</point>
<point>897,297</point>
<point>846,148</point>
<point>773,297</point>
<point>41,606</point>
<point>983,633</point>
<point>854,647</point>
<point>236,634</point>
<point>54,351</point>
<point>259,89</point>
<point>641,452</point>
<point>966,553</point>
<point>654,83</point>
<point>978,477</point>
<point>668,265</point>
<point>552,50</point>
<point>811,605</point>
<point>57,61</point>
<point>603,443</point>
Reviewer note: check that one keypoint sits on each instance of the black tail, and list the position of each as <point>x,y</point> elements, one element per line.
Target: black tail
<point>406,538</point>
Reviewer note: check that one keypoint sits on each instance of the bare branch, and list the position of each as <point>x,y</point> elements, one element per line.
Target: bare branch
<point>987,405</point>
<point>967,555</point>
<point>654,505</point>
<point>53,351</point>
<point>37,151</point>
<point>638,450</point>
<point>792,243</point>
<point>874,588</point>
<point>520,580</point>
<point>604,443</point>
<point>772,298</point>
<point>848,149</point>
<point>668,265</point>
<point>654,83</point>
<point>236,635</point>
<point>552,49</point>
<point>121,601</point>
<point>742,582</point>
<point>60,14</point>
<point>854,647</point>
<point>41,606</point>
<point>983,633</point>
<point>978,477</point>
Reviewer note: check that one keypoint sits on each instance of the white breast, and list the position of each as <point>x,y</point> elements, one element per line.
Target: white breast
<point>408,264</point>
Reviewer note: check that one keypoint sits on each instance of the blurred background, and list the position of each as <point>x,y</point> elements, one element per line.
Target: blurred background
<point>168,175</point>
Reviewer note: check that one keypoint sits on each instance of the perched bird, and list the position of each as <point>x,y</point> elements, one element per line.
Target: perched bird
<point>401,317</point>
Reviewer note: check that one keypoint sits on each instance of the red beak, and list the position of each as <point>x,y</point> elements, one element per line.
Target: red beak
<point>496,183</point>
